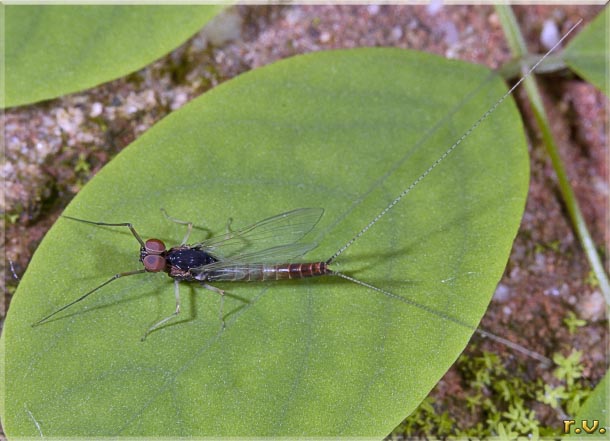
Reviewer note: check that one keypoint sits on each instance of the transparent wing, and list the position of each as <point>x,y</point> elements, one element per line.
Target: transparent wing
<point>275,255</point>
<point>271,240</point>
<point>231,273</point>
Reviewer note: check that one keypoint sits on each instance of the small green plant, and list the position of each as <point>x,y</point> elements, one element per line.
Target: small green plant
<point>592,280</point>
<point>506,435</point>
<point>82,165</point>
<point>570,394</point>
<point>572,322</point>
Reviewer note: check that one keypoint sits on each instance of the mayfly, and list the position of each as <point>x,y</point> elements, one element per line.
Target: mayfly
<point>245,255</point>
<point>259,252</point>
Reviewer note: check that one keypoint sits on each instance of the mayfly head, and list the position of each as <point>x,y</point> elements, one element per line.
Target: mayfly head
<point>152,256</point>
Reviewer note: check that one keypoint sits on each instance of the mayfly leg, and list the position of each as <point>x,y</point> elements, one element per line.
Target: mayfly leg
<point>168,318</point>
<point>189,229</point>
<point>189,226</point>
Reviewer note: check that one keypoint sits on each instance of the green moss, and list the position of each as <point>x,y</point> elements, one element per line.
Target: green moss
<point>426,420</point>
<point>500,402</point>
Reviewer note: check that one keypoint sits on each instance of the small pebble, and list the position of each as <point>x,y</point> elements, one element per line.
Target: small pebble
<point>549,36</point>
<point>96,109</point>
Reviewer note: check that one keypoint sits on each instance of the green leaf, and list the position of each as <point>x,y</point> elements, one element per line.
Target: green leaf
<point>343,130</point>
<point>57,50</point>
<point>594,409</point>
<point>588,53</point>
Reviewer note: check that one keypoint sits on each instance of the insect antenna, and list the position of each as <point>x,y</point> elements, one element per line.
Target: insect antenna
<point>436,163</point>
<point>116,276</point>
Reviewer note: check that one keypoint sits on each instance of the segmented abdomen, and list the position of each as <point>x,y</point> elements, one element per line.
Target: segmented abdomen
<point>259,272</point>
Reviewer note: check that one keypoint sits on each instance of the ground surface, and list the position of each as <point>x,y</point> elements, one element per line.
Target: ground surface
<point>54,148</point>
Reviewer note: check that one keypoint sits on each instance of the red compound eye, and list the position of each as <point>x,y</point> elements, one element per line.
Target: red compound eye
<point>154,246</point>
<point>154,263</point>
